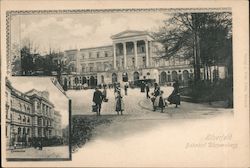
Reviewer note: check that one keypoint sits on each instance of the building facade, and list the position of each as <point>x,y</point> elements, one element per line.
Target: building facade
<point>57,124</point>
<point>133,54</point>
<point>28,115</point>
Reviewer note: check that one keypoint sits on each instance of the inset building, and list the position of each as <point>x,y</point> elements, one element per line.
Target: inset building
<point>29,115</point>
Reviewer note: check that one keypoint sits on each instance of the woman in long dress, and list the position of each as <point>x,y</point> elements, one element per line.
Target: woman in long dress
<point>174,97</point>
<point>156,95</point>
<point>119,104</point>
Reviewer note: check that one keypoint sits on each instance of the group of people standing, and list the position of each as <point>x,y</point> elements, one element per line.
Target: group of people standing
<point>100,97</point>
<point>159,101</point>
<point>156,97</point>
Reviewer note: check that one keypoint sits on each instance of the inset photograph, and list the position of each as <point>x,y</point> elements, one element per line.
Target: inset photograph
<point>37,120</point>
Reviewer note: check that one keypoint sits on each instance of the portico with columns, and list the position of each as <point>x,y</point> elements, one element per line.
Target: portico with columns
<point>131,50</point>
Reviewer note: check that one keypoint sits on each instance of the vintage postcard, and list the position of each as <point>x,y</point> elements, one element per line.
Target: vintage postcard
<point>125,83</point>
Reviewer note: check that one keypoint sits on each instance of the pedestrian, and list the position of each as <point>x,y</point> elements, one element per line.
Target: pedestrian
<point>126,89</point>
<point>40,144</point>
<point>174,97</point>
<point>162,103</point>
<point>142,87</point>
<point>119,106</point>
<point>97,99</point>
<point>156,96</point>
<point>147,90</point>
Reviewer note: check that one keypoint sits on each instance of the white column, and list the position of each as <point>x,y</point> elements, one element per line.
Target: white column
<point>125,55</point>
<point>147,58</point>
<point>135,52</point>
<point>114,46</point>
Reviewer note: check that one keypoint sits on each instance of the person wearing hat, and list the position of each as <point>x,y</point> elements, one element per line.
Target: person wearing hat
<point>156,94</point>
<point>119,104</point>
<point>174,97</point>
<point>97,99</point>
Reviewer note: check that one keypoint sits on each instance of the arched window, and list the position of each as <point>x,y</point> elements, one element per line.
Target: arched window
<point>136,76</point>
<point>163,77</point>
<point>174,75</point>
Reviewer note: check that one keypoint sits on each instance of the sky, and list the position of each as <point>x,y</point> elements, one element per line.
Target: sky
<point>59,100</point>
<point>71,31</point>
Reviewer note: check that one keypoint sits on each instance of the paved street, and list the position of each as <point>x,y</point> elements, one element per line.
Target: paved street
<point>46,152</point>
<point>138,107</point>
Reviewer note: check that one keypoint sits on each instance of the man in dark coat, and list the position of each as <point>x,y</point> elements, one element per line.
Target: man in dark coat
<point>97,99</point>
<point>142,87</point>
<point>126,89</point>
<point>147,91</point>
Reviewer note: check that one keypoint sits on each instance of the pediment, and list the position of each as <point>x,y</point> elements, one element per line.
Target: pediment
<point>129,33</point>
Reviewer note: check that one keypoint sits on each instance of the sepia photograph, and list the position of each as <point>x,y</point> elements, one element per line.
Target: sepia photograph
<point>126,85</point>
<point>37,120</point>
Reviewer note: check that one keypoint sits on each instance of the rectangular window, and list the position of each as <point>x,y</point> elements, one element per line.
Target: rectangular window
<point>106,54</point>
<point>97,55</point>
<point>90,55</point>
<point>6,131</point>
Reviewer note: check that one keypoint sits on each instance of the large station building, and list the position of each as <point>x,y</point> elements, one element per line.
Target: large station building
<point>29,115</point>
<point>134,54</point>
